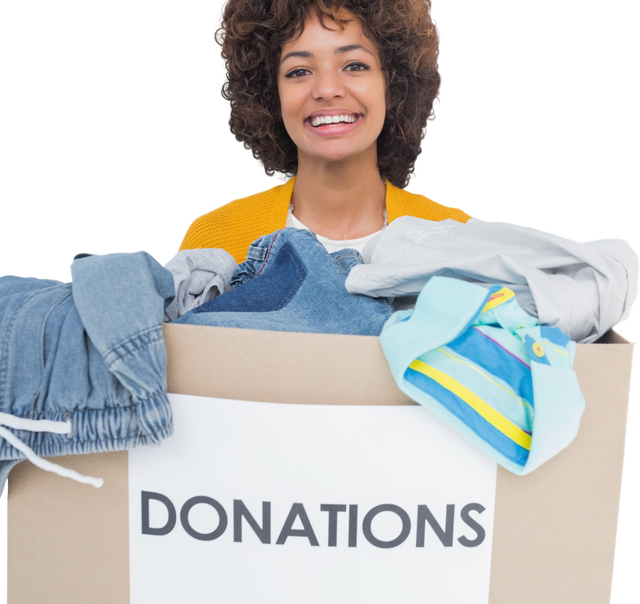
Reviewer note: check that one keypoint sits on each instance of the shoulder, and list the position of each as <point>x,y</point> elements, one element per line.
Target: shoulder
<point>237,224</point>
<point>238,210</point>
<point>404,203</point>
<point>238,202</point>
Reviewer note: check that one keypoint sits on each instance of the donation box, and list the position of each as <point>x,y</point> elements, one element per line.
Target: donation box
<point>299,473</point>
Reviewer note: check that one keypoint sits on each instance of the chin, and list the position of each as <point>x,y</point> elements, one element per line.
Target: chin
<point>338,154</point>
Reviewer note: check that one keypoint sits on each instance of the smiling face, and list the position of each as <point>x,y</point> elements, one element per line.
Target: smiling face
<point>332,92</point>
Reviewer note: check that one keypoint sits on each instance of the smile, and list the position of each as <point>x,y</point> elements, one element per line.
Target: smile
<point>332,119</point>
<point>324,127</point>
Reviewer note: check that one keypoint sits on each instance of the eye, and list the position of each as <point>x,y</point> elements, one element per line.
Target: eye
<point>356,66</point>
<point>296,73</point>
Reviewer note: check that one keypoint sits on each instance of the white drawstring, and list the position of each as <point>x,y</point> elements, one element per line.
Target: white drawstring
<point>41,425</point>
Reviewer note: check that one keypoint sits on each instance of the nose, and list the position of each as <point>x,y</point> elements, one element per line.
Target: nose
<point>327,87</point>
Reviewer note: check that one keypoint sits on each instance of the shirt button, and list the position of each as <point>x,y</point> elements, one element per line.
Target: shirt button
<point>537,349</point>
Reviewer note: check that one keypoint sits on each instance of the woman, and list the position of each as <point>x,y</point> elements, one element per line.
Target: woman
<point>336,94</point>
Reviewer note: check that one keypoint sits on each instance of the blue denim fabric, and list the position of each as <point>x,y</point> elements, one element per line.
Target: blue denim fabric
<point>289,282</point>
<point>91,352</point>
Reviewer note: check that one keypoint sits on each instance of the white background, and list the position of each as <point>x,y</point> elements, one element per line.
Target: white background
<point>309,454</point>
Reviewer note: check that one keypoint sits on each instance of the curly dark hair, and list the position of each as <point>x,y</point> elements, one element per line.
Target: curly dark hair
<point>251,36</point>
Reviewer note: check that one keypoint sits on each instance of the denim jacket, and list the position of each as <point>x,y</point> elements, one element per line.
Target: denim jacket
<point>83,364</point>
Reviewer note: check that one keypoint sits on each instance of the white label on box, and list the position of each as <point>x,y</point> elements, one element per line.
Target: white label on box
<point>287,504</point>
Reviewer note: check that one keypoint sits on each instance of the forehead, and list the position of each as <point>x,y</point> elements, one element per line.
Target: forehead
<point>328,36</point>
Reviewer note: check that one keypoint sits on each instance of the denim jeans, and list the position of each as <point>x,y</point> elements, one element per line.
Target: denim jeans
<point>289,282</point>
<point>88,355</point>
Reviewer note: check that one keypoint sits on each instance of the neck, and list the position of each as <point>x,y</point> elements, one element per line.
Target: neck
<point>339,200</point>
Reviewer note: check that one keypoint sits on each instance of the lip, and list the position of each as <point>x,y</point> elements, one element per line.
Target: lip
<point>333,129</point>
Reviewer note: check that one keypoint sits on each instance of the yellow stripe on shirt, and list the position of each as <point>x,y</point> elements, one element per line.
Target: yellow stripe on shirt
<point>480,406</point>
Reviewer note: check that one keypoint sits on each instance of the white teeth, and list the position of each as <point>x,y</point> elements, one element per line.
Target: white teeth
<point>332,119</point>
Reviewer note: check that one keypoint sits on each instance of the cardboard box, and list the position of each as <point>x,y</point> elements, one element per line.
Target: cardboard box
<point>554,530</point>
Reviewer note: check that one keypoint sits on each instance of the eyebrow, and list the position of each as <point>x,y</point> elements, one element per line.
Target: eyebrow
<point>305,54</point>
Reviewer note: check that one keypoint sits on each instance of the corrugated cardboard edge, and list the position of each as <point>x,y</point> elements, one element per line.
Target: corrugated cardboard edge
<point>554,531</point>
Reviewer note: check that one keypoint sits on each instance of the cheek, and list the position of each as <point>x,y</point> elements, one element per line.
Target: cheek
<point>289,107</point>
<point>282,101</point>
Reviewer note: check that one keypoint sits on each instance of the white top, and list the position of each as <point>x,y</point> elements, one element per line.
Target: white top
<point>332,245</point>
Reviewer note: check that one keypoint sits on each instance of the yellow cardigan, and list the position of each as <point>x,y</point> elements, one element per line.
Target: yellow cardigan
<point>236,225</point>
